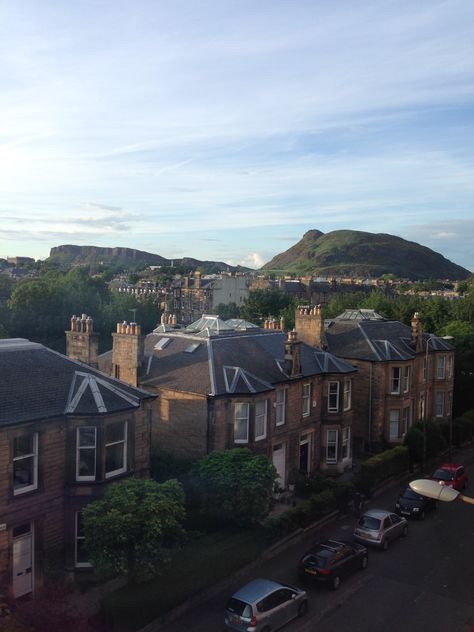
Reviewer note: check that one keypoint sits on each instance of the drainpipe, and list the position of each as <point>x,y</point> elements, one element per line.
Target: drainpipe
<point>370,404</point>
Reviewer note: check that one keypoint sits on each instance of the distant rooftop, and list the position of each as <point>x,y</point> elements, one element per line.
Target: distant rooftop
<point>359,314</point>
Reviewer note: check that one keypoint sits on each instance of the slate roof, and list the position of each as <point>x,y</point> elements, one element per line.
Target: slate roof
<point>38,383</point>
<point>233,362</point>
<point>375,339</point>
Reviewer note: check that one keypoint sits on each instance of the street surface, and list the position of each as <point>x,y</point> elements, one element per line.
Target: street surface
<point>423,582</point>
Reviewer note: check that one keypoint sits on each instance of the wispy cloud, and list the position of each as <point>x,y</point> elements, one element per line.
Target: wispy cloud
<point>185,120</point>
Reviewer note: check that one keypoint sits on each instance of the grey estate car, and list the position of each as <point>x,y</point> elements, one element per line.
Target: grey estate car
<point>263,605</point>
<point>379,527</point>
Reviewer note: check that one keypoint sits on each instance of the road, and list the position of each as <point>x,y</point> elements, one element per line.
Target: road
<point>423,582</point>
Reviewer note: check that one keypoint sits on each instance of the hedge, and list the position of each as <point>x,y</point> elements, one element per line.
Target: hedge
<point>310,510</point>
<point>382,466</point>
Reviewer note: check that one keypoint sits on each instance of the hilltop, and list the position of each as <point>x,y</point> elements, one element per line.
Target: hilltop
<point>71,255</point>
<point>355,253</point>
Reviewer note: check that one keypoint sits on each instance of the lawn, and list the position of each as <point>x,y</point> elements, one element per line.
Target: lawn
<point>203,561</point>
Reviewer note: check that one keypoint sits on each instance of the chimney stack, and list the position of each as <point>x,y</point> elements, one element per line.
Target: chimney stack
<point>292,362</point>
<point>417,332</point>
<point>128,352</point>
<point>309,324</point>
<point>81,342</point>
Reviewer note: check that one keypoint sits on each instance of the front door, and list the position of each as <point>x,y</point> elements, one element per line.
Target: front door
<point>23,575</point>
<point>304,456</point>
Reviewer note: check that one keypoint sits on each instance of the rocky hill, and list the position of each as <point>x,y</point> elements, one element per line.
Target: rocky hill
<point>355,253</point>
<point>70,255</point>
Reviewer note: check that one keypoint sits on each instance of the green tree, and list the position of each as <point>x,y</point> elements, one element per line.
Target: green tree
<point>234,486</point>
<point>231,310</point>
<point>134,528</point>
<point>263,303</point>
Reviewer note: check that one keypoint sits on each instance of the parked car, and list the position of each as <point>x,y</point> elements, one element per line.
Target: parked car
<point>329,561</point>
<point>263,605</point>
<point>414,505</point>
<point>379,527</point>
<point>452,475</point>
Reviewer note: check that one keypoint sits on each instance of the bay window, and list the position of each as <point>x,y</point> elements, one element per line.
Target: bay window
<point>331,446</point>
<point>25,463</point>
<point>333,397</point>
<point>241,423</point>
<point>115,448</point>
<point>260,420</point>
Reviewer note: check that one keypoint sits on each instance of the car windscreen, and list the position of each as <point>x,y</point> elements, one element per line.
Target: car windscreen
<point>315,559</point>
<point>409,494</point>
<point>369,522</point>
<point>443,475</point>
<point>239,607</point>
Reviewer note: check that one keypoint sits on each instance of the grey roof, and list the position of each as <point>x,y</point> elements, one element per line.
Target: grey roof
<point>238,363</point>
<point>375,339</point>
<point>37,383</point>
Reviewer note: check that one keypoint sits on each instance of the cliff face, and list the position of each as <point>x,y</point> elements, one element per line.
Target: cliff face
<point>87,254</point>
<point>70,254</point>
<point>355,253</point>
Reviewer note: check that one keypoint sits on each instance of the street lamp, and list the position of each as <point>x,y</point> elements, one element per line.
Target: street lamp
<point>438,491</point>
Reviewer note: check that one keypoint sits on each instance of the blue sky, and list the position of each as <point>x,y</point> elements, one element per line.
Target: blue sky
<point>224,130</point>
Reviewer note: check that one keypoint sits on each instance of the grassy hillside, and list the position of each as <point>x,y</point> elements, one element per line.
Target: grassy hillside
<point>356,253</point>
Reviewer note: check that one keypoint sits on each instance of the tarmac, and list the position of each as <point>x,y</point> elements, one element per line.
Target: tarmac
<point>88,603</point>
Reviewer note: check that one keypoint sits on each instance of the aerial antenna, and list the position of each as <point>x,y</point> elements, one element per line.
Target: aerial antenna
<point>134,314</point>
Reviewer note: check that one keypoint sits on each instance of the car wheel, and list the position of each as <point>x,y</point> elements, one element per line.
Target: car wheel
<point>336,582</point>
<point>405,531</point>
<point>303,608</point>
<point>385,544</point>
<point>422,515</point>
<point>364,562</point>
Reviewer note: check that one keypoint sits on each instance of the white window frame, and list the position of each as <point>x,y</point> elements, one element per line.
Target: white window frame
<point>395,380</point>
<point>394,419</point>
<point>306,400</point>
<point>78,538</point>
<point>440,366</point>
<point>31,455</point>
<point>331,395</point>
<point>406,375</point>
<point>439,404</point>
<point>449,365</point>
<point>238,418</point>
<point>347,394</point>
<point>280,407</point>
<point>79,448</point>
<point>124,441</point>
<point>406,419</point>
<point>331,443</point>
<point>260,420</point>
<point>346,442</point>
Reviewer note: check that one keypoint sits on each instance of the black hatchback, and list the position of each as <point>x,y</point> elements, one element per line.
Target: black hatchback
<point>330,561</point>
<point>411,504</point>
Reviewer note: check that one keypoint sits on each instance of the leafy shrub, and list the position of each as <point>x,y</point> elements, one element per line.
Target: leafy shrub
<point>305,513</point>
<point>234,486</point>
<point>382,466</point>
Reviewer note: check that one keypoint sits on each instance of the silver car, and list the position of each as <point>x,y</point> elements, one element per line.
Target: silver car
<point>379,527</point>
<point>263,605</point>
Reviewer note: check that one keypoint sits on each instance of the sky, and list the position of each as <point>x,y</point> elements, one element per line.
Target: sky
<point>225,129</point>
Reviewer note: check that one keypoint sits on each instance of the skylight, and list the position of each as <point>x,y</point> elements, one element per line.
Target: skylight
<point>192,347</point>
<point>161,344</point>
